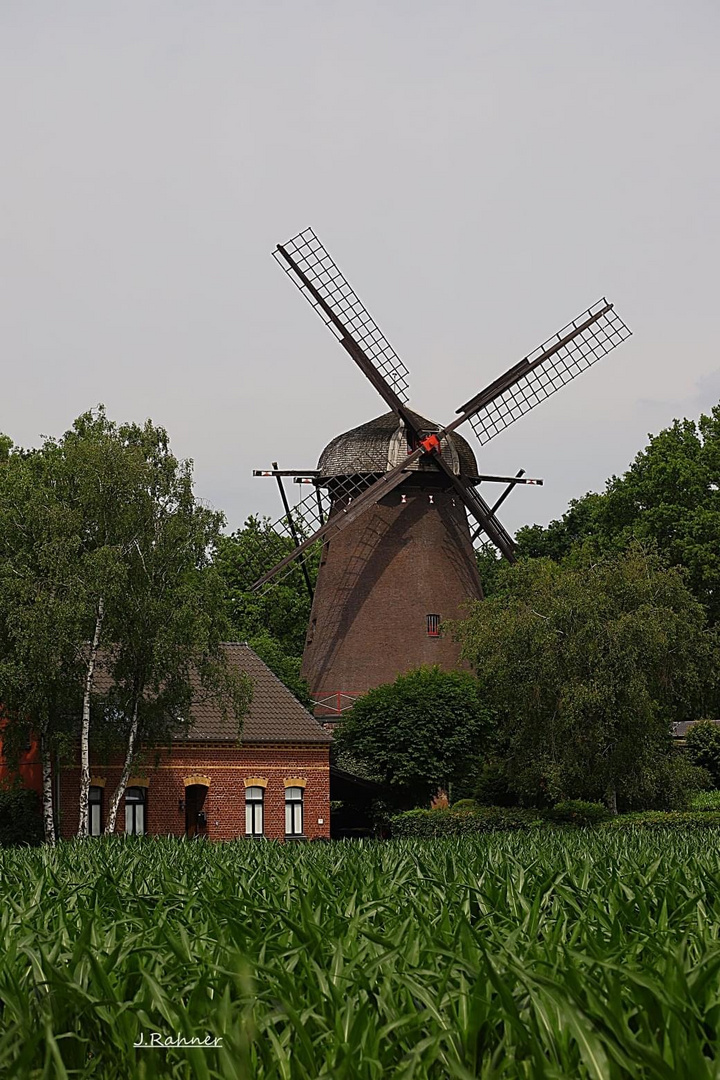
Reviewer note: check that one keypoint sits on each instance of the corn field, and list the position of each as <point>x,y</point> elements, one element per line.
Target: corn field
<point>546,955</point>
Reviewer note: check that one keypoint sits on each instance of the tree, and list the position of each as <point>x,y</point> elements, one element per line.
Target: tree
<point>106,561</point>
<point>425,731</point>
<point>703,748</point>
<point>42,613</point>
<point>169,622</point>
<point>586,666</point>
<point>273,622</point>
<point>670,496</point>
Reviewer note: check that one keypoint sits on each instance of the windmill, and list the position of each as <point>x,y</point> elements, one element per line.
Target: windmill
<point>395,503</point>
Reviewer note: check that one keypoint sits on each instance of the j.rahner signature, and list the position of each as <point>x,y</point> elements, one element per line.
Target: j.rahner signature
<point>167,1042</point>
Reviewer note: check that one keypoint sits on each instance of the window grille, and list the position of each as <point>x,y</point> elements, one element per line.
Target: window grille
<point>293,811</point>
<point>433,625</point>
<point>254,811</point>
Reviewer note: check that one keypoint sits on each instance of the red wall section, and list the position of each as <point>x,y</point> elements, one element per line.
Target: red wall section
<point>227,767</point>
<point>28,771</point>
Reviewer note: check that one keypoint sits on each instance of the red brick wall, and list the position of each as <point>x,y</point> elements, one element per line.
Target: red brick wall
<point>379,579</point>
<point>227,767</point>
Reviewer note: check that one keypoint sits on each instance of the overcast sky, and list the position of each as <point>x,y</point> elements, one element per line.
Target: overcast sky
<point>482,172</point>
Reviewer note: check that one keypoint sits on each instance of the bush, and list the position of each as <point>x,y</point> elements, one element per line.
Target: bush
<point>669,785</point>
<point>705,800</point>
<point>578,812</point>
<point>492,787</point>
<point>703,747</point>
<point>667,819</point>
<point>436,823</point>
<point>20,818</point>
<point>465,804</point>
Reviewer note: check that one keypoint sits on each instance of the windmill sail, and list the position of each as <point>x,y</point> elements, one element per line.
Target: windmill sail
<point>553,364</point>
<point>310,266</point>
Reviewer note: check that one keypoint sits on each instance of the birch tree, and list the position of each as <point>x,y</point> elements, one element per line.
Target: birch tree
<point>105,558</point>
<point>171,618</point>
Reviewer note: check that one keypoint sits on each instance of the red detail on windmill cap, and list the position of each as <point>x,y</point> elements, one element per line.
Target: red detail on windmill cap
<point>431,444</point>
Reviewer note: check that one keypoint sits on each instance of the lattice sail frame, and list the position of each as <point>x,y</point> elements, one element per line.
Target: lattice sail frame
<point>319,267</point>
<point>338,490</point>
<point>558,370</point>
<point>306,520</point>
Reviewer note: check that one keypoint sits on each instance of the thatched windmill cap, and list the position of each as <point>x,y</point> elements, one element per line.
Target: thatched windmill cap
<point>382,443</point>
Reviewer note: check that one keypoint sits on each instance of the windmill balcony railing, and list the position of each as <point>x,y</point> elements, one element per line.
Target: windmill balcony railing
<point>336,703</point>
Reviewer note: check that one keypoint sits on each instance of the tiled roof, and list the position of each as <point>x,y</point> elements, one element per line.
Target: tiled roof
<point>274,714</point>
<point>375,447</point>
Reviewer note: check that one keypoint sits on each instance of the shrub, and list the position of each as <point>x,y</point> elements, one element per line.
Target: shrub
<point>578,812</point>
<point>687,820</point>
<point>465,804</point>
<point>436,823</point>
<point>20,817</point>
<point>492,787</point>
<point>703,747</point>
<point>669,785</point>
<point>705,800</point>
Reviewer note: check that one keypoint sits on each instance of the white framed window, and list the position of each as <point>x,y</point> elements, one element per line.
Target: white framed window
<point>95,798</point>
<point>294,811</point>
<point>254,799</point>
<point>135,806</point>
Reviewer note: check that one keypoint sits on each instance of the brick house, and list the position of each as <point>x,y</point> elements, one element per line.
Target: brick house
<point>274,783</point>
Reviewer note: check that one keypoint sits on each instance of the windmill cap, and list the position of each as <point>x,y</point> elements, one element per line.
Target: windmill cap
<point>381,444</point>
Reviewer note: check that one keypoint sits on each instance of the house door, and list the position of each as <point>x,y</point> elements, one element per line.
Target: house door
<point>194,813</point>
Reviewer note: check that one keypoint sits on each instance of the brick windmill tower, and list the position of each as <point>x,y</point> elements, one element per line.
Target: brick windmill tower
<point>396,503</point>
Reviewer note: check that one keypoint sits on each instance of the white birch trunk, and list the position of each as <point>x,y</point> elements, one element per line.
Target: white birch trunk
<point>85,730</point>
<point>47,792</point>
<point>612,799</point>
<point>122,783</point>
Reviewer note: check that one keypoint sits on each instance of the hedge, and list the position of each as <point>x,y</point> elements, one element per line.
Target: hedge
<point>450,822</point>
<point>431,824</point>
<point>666,819</point>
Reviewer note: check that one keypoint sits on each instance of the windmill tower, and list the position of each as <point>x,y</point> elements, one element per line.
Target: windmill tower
<point>396,499</point>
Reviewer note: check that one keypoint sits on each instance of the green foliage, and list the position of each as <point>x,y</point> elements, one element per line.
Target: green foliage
<point>703,747</point>
<point>20,817</point>
<point>491,567</point>
<point>425,731</point>
<point>465,804</point>
<point>705,800</point>
<point>586,665</point>
<point>492,786</point>
<point>681,820</point>
<point>462,821</point>
<point>287,668</point>
<point>589,954</point>
<point>578,812</point>
<point>283,612</point>
<point>669,783</point>
<point>273,623</point>
<point>105,519</point>
<point>669,496</point>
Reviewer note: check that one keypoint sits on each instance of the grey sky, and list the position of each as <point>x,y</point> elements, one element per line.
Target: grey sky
<point>482,172</point>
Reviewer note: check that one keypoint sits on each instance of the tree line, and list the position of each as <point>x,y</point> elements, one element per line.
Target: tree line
<point>117,587</point>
